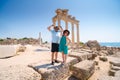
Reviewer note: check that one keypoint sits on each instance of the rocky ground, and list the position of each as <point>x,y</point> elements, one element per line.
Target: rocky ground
<point>90,62</point>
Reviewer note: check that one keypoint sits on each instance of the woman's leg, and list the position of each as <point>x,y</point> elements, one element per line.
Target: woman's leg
<point>63,57</point>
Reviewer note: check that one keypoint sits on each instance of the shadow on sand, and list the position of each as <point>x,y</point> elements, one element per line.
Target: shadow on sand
<point>72,78</point>
<point>38,50</point>
<point>48,66</point>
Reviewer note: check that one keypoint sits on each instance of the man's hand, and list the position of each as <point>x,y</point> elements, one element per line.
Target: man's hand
<point>49,28</point>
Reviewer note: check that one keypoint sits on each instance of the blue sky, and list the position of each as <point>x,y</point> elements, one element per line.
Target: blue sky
<point>99,19</point>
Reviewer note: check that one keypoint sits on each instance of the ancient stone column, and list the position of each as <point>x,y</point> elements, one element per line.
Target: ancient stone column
<point>59,19</point>
<point>66,24</point>
<point>78,34</point>
<point>40,42</point>
<point>73,33</point>
<point>54,22</point>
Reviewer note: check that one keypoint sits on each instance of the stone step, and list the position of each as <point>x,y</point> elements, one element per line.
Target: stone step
<point>83,70</point>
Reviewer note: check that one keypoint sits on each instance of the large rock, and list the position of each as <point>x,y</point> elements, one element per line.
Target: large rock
<point>18,72</point>
<point>110,52</point>
<point>111,72</point>
<point>114,61</point>
<point>54,72</point>
<point>103,53</point>
<point>103,58</point>
<point>83,70</point>
<point>8,50</point>
<point>117,54</point>
<point>93,45</point>
<point>21,49</point>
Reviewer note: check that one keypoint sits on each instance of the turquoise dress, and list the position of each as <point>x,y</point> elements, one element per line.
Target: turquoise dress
<point>62,46</point>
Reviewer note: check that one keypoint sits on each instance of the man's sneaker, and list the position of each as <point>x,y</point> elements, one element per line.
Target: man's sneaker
<point>52,63</point>
<point>56,61</point>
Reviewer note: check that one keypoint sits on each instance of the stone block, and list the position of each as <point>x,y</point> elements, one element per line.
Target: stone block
<point>111,72</point>
<point>115,68</point>
<point>54,72</point>
<point>8,50</point>
<point>103,58</point>
<point>114,61</point>
<point>81,56</point>
<point>83,70</point>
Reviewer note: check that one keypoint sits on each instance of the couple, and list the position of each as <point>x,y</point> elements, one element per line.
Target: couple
<point>60,43</point>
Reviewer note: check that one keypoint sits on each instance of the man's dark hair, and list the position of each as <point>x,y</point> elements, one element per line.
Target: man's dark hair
<point>66,31</point>
<point>56,27</point>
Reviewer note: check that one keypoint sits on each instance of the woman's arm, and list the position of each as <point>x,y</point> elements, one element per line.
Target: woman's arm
<point>69,41</point>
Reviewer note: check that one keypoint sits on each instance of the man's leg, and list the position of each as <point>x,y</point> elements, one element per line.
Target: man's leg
<point>56,56</point>
<point>56,53</point>
<point>52,58</point>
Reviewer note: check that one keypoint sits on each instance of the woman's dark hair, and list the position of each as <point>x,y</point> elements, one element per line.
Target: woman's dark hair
<point>66,31</point>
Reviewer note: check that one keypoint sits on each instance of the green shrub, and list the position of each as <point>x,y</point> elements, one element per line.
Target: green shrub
<point>1,40</point>
<point>81,43</point>
<point>25,38</point>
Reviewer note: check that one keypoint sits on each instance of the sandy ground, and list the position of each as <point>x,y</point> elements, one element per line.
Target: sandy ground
<point>39,54</point>
<point>100,70</point>
<point>16,68</point>
<point>32,54</point>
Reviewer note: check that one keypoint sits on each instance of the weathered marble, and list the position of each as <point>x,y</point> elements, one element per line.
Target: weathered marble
<point>83,70</point>
<point>54,72</point>
<point>8,50</point>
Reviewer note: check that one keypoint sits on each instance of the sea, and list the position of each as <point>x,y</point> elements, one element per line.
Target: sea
<point>110,44</point>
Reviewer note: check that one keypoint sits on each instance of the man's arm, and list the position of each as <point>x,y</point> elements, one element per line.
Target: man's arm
<point>49,28</point>
<point>61,29</point>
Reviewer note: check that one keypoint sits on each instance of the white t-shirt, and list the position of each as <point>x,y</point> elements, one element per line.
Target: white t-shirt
<point>55,36</point>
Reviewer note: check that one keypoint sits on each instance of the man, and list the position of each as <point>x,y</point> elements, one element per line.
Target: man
<point>56,33</point>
